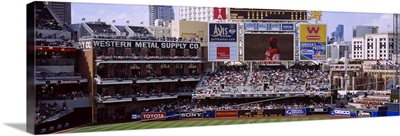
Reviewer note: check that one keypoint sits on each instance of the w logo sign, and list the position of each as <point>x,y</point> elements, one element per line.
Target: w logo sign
<point>313,30</point>
<point>313,33</point>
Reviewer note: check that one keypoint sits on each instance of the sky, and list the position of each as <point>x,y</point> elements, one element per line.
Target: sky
<point>139,13</point>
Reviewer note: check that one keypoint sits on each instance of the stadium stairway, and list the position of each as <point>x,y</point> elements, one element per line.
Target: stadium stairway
<point>53,13</point>
<point>88,29</point>
<point>249,77</point>
<point>58,115</point>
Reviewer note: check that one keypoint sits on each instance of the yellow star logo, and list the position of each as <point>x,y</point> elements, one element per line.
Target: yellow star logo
<point>315,14</point>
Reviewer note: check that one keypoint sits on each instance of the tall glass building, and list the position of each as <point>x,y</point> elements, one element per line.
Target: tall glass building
<point>165,13</point>
<point>338,34</point>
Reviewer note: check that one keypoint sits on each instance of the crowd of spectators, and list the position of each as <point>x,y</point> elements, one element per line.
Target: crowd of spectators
<point>189,105</point>
<point>53,43</point>
<point>146,38</point>
<point>268,79</point>
<point>226,75</point>
<point>47,110</point>
<point>105,95</point>
<point>50,93</point>
<point>371,103</point>
<point>44,19</point>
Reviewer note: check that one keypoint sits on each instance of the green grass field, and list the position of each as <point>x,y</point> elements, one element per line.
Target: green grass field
<point>189,123</point>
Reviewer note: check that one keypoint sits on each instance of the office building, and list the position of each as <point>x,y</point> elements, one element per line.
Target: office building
<point>202,14</point>
<point>62,10</point>
<point>373,47</point>
<point>336,50</point>
<point>165,13</point>
<point>361,31</point>
<point>338,34</point>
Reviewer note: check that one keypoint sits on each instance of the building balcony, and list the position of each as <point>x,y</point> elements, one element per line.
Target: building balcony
<point>146,79</point>
<point>149,59</point>
<point>139,97</point>
<point>59,78</point>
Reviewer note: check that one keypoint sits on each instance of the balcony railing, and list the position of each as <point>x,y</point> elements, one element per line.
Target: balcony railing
<point>55,62</point>
<point>107,58</point>
<point>58,75</point>
<point>148,77</point>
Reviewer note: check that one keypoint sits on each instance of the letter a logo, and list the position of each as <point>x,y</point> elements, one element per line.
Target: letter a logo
<point>313,29</point>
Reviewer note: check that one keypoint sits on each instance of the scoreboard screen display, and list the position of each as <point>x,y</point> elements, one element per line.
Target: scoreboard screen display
<point>267,14</point>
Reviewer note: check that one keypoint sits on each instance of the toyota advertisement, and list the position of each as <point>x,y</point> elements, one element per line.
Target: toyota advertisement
<point>153,116</point>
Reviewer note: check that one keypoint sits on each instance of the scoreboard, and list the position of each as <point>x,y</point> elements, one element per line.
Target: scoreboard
<point>268,14</point>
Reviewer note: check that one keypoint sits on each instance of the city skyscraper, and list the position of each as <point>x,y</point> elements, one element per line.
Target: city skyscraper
<point>338,34</point>
<point>361,31</point>
<point>62,10</point>
<point>165,13</point>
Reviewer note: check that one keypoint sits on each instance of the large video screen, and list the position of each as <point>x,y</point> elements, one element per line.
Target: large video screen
<point>269,47</point>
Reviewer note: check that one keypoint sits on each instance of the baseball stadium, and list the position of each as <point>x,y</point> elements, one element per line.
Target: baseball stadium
<point>94,76</point>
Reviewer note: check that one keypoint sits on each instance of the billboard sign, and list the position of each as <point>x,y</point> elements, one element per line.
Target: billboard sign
<point>341,112</point>
<point>219,13</point>
<point>287,27</point>
<point>295,112</point>
<point>116,43</point>
<point>191,114</point>
<point>153,116</point>
<point>208,114</point>
<point>262,26</point>
<point>249,26</point>
<point>267,14</point>
<point>313,42</point>
<point>223,42</point>
<point>269,47</point>
<point>275,27</point>
<point>226,113</point>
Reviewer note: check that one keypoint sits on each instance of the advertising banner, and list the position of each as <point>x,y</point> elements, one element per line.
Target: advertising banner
<point>219,13</point>
<point>208,114</point>
<point>341,112</point>
<point>191,115</point>
<point>226,113</point>
<point>251,113</point>
<point>249,26</point>
<point>268,47</point>
<point>136,116</point>
<point>153,116</point>
<point>274,112</point>
<point>262,26</point>
<point>172,115</point>
<point>295,112</point>
<point>318,110</point>
<point>226,96</point>
<point>275,27</point>
<point>363,114</point>
<point>223,42</point>
<point>313,42</point>
<point>287,27</point>
<point>144,44</point>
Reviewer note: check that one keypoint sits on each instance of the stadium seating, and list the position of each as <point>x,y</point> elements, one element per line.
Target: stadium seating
<point>273,79</point>
<point>44,19</point>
